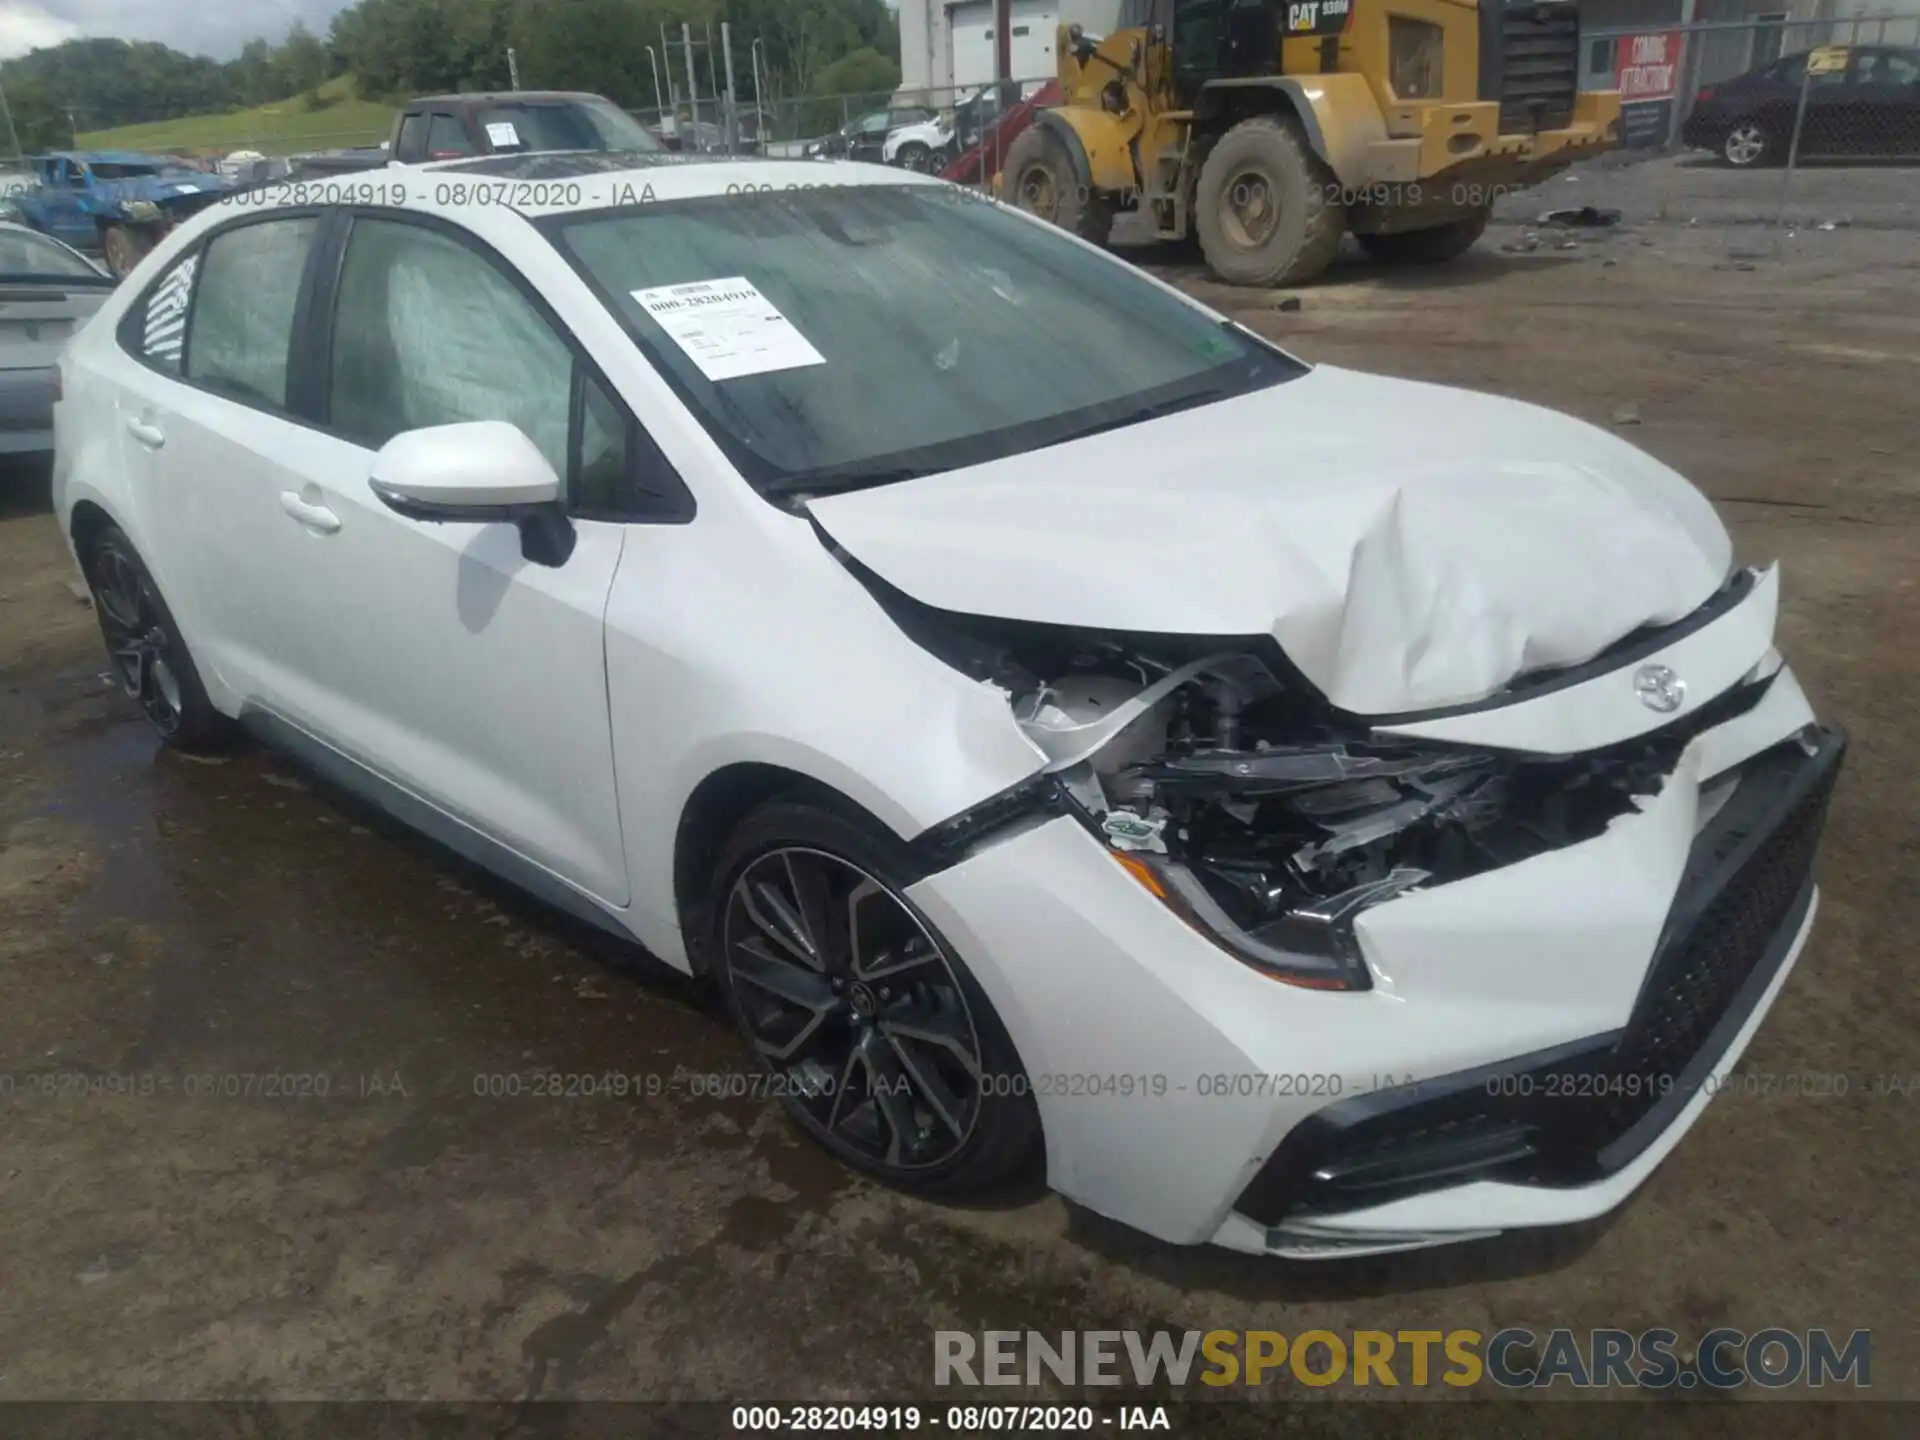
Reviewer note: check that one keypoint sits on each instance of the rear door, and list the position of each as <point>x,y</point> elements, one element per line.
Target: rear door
<point>211,431</point>
<point>437,654</point>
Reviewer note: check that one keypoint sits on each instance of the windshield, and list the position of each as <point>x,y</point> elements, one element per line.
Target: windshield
<point>564,125</point>
<point>30,257</point>
<point>872,333</point>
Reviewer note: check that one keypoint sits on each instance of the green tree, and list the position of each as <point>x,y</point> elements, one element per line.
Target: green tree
<point>863,72</point>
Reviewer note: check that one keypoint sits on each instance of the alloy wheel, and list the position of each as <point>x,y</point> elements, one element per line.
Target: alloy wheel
<point>1745,144</point>
<point>142,650</point>
<point>854,1004</point>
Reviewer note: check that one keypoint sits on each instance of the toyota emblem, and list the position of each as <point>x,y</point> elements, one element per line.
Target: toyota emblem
<point>1659,688</point>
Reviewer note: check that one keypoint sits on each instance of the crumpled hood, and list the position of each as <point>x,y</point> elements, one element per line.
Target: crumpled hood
<point>1410,546</point>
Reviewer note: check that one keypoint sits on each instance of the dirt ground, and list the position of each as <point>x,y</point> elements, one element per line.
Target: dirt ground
<point>402,1237</point>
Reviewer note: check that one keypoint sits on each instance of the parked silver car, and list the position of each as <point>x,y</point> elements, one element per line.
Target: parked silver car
<point>47,290</point>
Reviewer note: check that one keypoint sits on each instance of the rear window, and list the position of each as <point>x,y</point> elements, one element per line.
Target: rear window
<point>106,171</point>
<point>563,125</point>
<point>25,256</point>
<point>851,336</point>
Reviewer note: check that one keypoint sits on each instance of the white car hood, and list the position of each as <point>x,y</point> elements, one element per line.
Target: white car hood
<point>1410,546</point>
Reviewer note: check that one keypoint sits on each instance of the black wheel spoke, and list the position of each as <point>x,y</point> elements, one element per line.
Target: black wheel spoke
<point>890,1098</point>
<point>776,918</point>
<point>950,1039</point>
<point>755,962</point>
<point>837,980</point>
<point>930,1087</point>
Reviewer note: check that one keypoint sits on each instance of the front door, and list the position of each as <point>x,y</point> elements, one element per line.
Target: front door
<point>437,653</point>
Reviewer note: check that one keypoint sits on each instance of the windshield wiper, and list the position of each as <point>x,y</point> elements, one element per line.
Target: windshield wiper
<point>1143,413</point>
<point>853,478</point>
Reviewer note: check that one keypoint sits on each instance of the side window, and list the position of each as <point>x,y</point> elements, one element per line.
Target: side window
<point>411,147</point>
<point>601,463</point>
<point>161,336</point>
<point>429,332</point>
<point>246,293</point>
<point>447,138</point>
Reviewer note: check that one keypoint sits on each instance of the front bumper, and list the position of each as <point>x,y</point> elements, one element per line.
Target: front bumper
<point>1187,1095</point>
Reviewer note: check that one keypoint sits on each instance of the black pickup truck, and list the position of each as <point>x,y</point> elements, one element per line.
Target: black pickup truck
<point>505,122</point>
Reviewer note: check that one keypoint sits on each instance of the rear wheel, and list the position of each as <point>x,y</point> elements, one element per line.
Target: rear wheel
<point>1746,145</point>
<point>1040,178</point>
<point>143,641</point>
<point>877,1039</point>
<point>1262,206</point>
<point>915,156</point>
<point>1434,245</point>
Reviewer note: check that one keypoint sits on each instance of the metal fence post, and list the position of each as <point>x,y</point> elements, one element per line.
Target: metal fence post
<point>693,82</point>
<point>733,104</point>
<point>1793,145</point>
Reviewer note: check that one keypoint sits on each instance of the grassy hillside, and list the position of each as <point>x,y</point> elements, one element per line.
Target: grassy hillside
<point>281,128</point>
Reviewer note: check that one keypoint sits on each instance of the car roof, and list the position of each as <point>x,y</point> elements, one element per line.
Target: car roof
<point>500,97</point>
<point>670,175</point>
<point>609,178</point>
<point>108,157</point>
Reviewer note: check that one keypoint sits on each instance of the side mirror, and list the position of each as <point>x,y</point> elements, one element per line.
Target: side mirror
<point>478,472</point>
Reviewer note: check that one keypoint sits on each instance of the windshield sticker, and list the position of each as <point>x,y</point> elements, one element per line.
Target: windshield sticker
<point>501,132</point>
<point>728,328</point>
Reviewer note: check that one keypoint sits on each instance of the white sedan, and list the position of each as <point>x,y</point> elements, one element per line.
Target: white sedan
<point>1308,812</point>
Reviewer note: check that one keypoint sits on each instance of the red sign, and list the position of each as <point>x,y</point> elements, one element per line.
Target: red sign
<point>1647,67</point>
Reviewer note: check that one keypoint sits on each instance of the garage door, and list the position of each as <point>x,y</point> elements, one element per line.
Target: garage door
<point>1034,24</point>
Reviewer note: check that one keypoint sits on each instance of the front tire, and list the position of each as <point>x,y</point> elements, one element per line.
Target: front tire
<point>915,157</point>
<point>1434,245</point>
<point>1263,206</point>
<point>873,1033</point>
<point>125,248</point>
<point>1040,178</point>
<point>149,656</point>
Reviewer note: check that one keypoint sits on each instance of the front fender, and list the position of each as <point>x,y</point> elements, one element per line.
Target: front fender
<point>1101,145</point>
<point>1337,113</point>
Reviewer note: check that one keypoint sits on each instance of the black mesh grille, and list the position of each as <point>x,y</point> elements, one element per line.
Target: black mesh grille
<point>1699,972</point>
<point>1539,68</point>
<point>1570,1116</point>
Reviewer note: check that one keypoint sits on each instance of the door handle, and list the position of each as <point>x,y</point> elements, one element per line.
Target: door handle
<point>317,518</point>
<point>151,436</point>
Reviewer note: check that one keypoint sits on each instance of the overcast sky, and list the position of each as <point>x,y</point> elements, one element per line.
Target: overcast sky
<point>206,27</point>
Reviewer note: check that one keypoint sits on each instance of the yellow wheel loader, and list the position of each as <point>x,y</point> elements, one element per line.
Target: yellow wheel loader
<point>1267,129</point>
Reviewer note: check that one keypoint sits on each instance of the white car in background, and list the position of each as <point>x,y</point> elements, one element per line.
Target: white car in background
<point>926,146</point>
<point>1310,812</point>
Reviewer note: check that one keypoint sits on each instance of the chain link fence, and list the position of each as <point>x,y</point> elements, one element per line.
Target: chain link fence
<point>1765,121</point>
<point>928,130</point>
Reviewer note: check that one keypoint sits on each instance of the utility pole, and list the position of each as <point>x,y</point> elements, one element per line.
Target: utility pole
<point>693,81</point>
<point>659,102</point>
<point>1003,52</point>
<point>733,101</point>
<point>513,67</point>
<point>73,128</point>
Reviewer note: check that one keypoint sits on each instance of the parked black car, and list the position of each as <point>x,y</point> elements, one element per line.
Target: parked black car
<point>1869,108</point>
<point>865,136</point>
<point>451,127</point>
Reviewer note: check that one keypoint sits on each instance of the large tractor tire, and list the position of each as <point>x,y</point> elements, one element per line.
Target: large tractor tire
<point>1039,177</point>
<point>125,247</point>
<point>1265,207</point>
<point>1434,245</point>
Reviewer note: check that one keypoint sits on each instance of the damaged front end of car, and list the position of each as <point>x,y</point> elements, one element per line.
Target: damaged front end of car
<point>1233,795</point>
